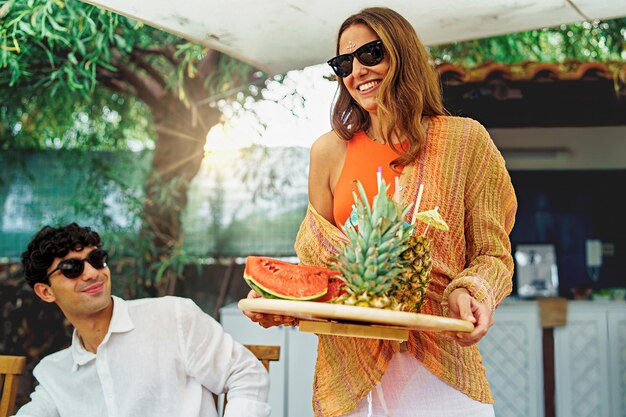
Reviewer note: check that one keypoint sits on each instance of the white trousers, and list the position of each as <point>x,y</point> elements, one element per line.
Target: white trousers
<point>408,389</point>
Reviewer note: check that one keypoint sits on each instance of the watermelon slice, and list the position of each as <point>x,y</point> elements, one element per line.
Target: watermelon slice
<point>273,278</point>
<point>336,287</point>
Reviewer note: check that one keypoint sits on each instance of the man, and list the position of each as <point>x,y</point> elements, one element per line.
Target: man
<point>151,357</point>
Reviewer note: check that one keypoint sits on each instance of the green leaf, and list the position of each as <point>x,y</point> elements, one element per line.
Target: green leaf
<point>121,42</point>
<point>55,25</point>
<point>80,46</point>
<point>26,28</point>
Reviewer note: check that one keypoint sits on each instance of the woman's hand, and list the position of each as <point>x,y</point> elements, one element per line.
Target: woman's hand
<point>463,306</point>
<point>269,320</point>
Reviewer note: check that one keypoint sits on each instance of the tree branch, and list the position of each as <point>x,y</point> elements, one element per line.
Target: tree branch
<point>143,90</point>
<point>209,63</point>
<point>167,51</point>
<point>139,60</point>
<point>117,85</point>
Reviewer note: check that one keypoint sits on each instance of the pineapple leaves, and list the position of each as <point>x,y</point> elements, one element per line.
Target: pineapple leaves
<point>372,262</point>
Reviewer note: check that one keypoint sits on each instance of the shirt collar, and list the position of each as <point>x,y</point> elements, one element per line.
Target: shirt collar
<point>120,323</point>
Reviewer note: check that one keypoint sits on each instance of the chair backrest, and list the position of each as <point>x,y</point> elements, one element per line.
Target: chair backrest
<point>11,367</point>
<point>264,353</point>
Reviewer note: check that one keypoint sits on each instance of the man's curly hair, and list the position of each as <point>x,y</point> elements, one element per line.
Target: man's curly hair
<point>50,243</point>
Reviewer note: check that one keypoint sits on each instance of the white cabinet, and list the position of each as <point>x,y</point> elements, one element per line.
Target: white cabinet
<point>291,378</point>
<point>513,359</point>
<point>617,359</point>
<point>302,348</point>
<point>590,360</point>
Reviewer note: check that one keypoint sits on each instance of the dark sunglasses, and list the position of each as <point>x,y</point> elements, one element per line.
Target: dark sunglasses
<point>73,268</point>
<point>369,55</point>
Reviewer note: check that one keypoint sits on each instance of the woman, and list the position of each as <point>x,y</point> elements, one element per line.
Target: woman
<point>389,113</point>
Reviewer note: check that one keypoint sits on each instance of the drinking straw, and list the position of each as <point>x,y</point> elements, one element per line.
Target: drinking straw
<point>379,176</point>
<point>417,203</point>
<point>396,195</point>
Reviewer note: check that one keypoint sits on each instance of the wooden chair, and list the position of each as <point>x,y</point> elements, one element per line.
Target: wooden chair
<point>264,353</point>
<point>11,367</point>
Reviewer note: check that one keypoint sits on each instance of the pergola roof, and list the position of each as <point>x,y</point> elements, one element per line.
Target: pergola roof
<point>282,35</point>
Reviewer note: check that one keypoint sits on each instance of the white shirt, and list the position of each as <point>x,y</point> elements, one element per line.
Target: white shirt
<point>160,357</point>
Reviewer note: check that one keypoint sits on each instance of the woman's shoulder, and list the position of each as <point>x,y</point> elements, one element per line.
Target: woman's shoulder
<point>457,129</point>
<point>328,145</point>
<point>458,121</point>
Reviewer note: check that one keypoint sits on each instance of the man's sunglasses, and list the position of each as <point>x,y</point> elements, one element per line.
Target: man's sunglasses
<point>73,268</point>
<point>369,55</point>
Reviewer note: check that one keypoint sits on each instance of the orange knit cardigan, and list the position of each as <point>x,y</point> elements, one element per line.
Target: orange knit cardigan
<point>464,174</point>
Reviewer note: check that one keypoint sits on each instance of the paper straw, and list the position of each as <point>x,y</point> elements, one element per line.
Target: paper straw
<point>417,203</point>
<point>396,195</point>
<point>379,176</point>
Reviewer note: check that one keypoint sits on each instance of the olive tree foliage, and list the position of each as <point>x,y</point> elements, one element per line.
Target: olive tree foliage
<point>598,40</point>
<point>75,76</point>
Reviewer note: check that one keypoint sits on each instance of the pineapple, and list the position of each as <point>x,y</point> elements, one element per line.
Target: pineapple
<point>370,263</point>
<point>410,291</point>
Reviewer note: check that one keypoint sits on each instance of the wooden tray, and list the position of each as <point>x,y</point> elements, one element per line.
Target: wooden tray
<point>326,318</point>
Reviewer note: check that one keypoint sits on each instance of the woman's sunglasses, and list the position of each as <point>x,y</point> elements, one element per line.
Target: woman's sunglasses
<point>73,268</point>
<point>369,55</point>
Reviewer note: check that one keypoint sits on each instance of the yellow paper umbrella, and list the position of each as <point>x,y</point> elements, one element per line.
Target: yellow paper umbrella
<point>432,218</point>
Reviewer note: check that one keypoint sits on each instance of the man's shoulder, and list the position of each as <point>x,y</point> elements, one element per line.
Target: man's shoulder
<point>166,304</point>
<point>62,358</point>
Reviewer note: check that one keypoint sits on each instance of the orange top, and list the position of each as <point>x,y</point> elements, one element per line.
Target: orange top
<point>363,157</point>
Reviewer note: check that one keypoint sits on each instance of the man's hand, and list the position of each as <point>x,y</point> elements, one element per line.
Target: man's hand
<point>463,306</point>
<point>269,320</point>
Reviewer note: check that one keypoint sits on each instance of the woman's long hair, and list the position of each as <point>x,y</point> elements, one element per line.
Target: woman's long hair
<point>409,91</point>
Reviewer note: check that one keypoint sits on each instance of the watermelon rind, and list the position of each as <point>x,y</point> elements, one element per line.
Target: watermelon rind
<point>266,293</point>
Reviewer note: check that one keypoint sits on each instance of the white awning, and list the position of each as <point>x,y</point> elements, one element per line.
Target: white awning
<point>282,35</point>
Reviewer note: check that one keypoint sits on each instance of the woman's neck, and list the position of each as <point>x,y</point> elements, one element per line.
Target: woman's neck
<point>376,132</point>
<point>377,127</point>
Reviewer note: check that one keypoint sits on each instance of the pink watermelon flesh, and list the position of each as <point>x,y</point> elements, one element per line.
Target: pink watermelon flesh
<point>336,287</point>
<point>273,278</point>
